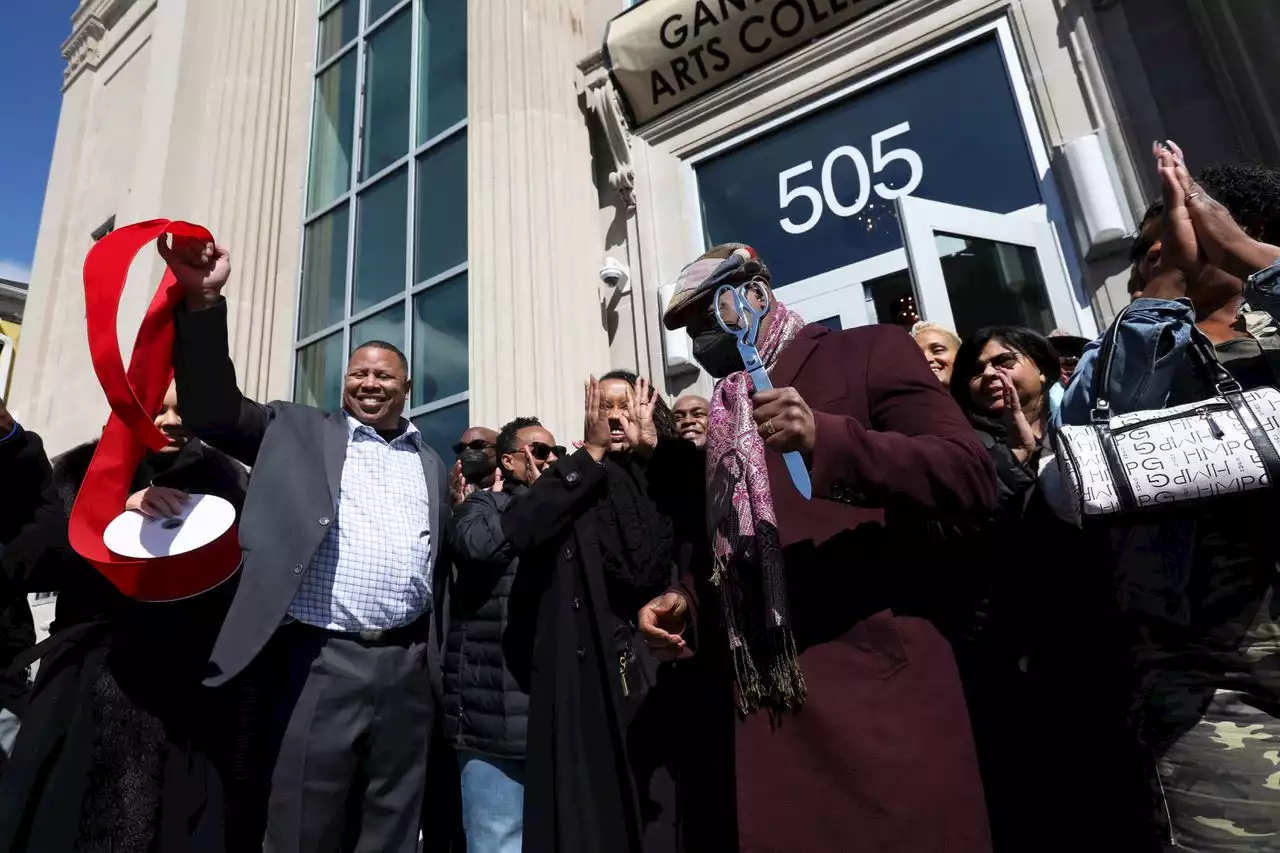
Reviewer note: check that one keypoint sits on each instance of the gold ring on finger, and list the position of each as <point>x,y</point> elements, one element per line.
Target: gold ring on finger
<point>769,427</point>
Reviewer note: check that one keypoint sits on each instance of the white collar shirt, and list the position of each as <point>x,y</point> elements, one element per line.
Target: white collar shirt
<point>373,570</point>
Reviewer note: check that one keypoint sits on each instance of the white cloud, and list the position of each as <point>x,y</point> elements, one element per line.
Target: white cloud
<point>15,270</point>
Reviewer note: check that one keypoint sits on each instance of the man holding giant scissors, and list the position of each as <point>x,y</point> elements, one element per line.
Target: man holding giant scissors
<point>852,733</point>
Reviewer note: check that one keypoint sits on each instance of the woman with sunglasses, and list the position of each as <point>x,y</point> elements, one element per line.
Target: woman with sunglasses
<point>1018,579</point>
<point>1001,379</point>
<point>600,533</point>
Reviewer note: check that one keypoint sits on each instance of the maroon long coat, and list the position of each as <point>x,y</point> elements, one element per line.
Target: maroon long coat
<point>880,758</point>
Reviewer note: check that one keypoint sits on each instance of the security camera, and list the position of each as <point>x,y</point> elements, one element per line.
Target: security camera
<point>614,273</point>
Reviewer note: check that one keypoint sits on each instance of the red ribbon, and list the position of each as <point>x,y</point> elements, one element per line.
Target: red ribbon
<point>135,396</point>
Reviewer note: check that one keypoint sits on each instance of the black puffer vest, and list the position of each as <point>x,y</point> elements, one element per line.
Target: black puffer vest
<point>485,709</point>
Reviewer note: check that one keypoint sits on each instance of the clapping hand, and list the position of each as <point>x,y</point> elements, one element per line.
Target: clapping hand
<point>1198,230</point>
<point>459,488</point>
<point>201,268</point>
<point>637,423</point>
<point>531,464</point>
<point>595,425</point>
<point>1021,437</point>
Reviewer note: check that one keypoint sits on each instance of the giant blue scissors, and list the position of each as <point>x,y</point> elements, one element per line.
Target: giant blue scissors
<point>745,331</point>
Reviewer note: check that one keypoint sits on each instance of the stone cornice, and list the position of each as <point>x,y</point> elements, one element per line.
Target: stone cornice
<point>84,48</point>
<point>597,89</point>
<point>89,26</point>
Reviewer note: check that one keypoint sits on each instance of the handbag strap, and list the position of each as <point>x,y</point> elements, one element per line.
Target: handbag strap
<point>1200,350</point>
<point>1102,371</point>
<point>1205,362</point>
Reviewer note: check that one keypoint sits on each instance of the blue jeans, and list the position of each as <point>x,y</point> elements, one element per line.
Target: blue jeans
<point>492,802</point>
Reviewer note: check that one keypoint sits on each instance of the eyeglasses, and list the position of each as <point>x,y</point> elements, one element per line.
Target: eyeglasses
<point>474,444</point>
<point>541,451</point>
<point>1000,361</point>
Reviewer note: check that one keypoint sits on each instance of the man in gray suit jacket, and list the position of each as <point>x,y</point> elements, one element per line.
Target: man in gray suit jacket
<point>342,533</point>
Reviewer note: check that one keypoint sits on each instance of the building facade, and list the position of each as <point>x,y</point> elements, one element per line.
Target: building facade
<point>504,188</point>
<point>13,300</point>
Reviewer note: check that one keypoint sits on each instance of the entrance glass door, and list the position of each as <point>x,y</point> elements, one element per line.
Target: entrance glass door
<point>962,268</point>
<point>973,268</point>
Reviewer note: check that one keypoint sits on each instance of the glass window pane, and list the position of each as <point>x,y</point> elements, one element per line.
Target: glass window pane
<point>378,8</point>
<point>337,28</point>
<point>381,230</point>
<point>443,427</point>
<point>318,378</point>
<point>386,105</point>
<point>892,300</point>
<point>324,272</point>
<point>441,223</point>
<point>442,67</point>
<point>331,132</point>
<point>993,284</point>
<point>440,341</point>
<point>387,325</point>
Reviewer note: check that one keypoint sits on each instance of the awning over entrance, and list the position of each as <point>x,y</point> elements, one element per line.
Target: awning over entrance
<point>664,53</point>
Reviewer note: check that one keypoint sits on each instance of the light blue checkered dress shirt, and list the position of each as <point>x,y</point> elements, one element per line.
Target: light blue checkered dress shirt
<point>372,572</point>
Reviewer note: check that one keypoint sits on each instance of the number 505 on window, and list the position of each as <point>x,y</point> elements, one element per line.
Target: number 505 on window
<point>828,199</point>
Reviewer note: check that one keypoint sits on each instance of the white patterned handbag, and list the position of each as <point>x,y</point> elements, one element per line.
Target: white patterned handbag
<point>1145,463</point>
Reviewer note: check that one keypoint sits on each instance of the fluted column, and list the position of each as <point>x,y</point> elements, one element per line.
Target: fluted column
<point>205,119</point>
<point>535,320</point>
<point>253,158</point>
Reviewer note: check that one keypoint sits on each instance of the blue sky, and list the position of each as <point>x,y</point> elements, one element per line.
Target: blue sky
<point>31,36</point>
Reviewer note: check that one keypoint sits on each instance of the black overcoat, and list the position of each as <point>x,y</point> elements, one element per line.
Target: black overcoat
<point>121,748</point>
<point>603,762</point>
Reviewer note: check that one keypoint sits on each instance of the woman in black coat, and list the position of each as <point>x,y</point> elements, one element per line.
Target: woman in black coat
<point>600,533</point>
<point>122,749</point>
<point>1034,633</point>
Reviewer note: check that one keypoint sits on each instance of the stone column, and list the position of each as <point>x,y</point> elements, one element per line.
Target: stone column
<point>182,110</point>
<point>247,171</point>
<point>535,327</point>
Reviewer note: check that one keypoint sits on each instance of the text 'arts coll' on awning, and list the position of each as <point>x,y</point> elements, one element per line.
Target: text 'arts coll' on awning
<point>665,53</point>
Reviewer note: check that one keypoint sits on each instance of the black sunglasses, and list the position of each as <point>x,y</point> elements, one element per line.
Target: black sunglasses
<point>474,444</point>
<point>1007,360</point>
<point>541,451</point>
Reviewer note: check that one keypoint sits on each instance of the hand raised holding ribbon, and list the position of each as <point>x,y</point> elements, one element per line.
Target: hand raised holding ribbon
<point>201,267</point>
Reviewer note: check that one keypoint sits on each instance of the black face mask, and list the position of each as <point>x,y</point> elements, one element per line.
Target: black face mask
<point>476,465</point>
<point>717,352</point>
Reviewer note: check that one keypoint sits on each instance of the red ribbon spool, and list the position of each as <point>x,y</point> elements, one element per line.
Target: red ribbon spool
<point>134,397</point>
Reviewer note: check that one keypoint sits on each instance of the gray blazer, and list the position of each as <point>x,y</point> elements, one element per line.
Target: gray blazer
<point>297,454</point>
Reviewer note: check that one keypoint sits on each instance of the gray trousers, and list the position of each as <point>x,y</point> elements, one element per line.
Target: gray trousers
<point>352,740</point>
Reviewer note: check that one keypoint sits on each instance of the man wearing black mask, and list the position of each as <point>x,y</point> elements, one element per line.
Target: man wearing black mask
<point>476,463</point>
<point>821,605</point>
<point>486,710</point>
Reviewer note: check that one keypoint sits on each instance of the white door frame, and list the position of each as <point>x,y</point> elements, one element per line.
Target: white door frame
<point>845,284</point>
<point>1052,207</point>
<point>920,219</point>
